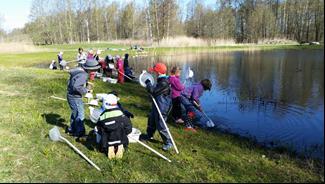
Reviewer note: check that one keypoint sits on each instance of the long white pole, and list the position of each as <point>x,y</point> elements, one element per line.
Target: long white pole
<point>156,152</point>
<point>123,74</point>
<point>58,98</point>
<point>162,118</point>
<point>78,151</point>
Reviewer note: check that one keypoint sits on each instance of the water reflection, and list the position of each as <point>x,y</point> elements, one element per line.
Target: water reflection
<point>275,96</point>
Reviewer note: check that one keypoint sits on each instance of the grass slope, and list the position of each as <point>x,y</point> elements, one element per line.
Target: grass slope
<point>27,155</point>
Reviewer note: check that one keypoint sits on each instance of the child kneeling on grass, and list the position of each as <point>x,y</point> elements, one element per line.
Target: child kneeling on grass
<point>113,127</point>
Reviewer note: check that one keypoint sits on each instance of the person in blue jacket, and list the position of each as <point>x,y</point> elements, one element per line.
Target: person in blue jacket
<point>76,89</point>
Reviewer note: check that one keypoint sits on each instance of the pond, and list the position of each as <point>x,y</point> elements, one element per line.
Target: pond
<point>275,97</point>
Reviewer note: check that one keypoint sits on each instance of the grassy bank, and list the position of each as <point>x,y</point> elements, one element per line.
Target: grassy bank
<point>27,155</point>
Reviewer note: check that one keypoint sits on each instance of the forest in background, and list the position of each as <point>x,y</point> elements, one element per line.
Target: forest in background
<point>244,21</point>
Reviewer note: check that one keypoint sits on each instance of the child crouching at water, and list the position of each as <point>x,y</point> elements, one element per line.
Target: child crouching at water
<point>190,100</point>
<point>177,87</point>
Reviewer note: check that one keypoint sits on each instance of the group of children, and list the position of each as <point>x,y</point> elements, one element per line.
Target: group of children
<point>106,66</point>
<point>114,123</point>
<point>169,93</point>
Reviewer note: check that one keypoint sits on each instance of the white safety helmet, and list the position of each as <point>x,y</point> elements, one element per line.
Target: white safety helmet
<point>110,101</point>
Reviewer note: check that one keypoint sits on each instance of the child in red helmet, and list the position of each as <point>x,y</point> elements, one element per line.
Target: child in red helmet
<point>162,94</point>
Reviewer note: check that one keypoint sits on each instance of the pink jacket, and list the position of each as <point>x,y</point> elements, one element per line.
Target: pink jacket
<point>176,85</point>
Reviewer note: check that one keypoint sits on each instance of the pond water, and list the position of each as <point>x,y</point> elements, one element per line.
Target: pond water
<point>275,97</point>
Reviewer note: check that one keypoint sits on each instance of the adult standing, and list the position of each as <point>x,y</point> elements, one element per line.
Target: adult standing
<point>76,89</point>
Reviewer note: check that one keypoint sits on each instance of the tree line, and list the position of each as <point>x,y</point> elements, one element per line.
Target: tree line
<point>245,21</point>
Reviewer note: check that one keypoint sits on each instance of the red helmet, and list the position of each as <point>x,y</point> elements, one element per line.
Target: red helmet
<point>160,68</point>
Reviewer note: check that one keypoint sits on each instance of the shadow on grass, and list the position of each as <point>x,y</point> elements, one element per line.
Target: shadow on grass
<point>89,123</point>
<point>55,119</point>
<point>90,141</point>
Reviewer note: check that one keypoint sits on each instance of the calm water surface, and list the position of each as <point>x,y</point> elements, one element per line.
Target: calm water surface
<point>276,97</point>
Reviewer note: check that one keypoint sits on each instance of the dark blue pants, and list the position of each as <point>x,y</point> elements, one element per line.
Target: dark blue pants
<point>77,126</point>
<point>155,122</point>
<point>199,119</point>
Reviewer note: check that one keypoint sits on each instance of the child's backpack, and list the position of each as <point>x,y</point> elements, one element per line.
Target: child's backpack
<point>113,126</point>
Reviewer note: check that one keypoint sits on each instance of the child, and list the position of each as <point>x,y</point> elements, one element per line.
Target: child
<point>53,65</point>
<point>76,90</point>
<point>128,70</point>
<point>190,99</point>
<point>60,59</point>
<point>81,56</point>
<point>97,55</point>
<point>162,94</point>
<point>113,127</point>
<point>90,55</point>
<point>177,88</point>
<point>110,65</point>
<point>120,68</point>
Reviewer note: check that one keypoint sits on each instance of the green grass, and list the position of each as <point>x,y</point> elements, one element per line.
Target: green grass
<point>27,155</point>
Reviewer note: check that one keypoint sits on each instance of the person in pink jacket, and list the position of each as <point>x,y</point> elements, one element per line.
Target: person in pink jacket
<point>120,68</point>
<point>177,87</point>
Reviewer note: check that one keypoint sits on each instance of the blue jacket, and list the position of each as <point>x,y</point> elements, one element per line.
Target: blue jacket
<point>77,83</point>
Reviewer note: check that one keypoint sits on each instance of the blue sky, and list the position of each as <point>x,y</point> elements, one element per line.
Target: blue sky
<point>16,12</point>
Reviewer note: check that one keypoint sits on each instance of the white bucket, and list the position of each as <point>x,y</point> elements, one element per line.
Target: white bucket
<point>100,96</point>
<point>99,75</point>
<point>112,81</point>
<point>111,66</point>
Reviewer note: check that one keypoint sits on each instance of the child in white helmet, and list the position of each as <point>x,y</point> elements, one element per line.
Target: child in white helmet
<point>113,127</point>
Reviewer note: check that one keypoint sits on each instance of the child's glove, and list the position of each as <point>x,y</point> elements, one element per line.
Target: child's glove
<point>147,81</point>
<point>128,114</point>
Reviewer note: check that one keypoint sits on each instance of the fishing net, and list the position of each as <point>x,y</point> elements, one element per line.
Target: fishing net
<point>144,77</point>
<point>55,134</point>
